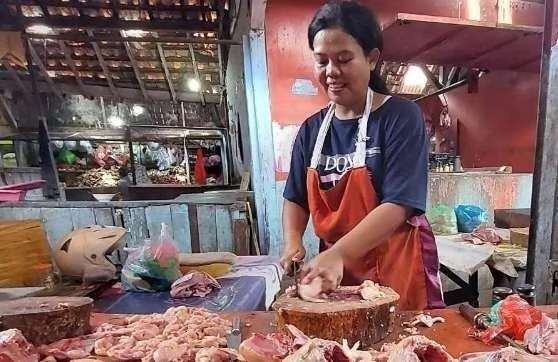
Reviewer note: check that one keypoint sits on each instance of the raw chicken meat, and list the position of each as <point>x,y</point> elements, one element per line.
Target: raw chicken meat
<point>69,348</point>
<point>266,348</point>
<point>508,354</point>
<point>319,350</point>
<point>15,348</point>
<point>543,338</point>
<point>417,349</point>
<point>195,283</point>
<point>313,292</point>
<point>175,336</point>
<point>426,320</point>
<point>213,354</point>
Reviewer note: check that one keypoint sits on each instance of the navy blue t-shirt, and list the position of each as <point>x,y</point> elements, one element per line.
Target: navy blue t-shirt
<point>396,154</point>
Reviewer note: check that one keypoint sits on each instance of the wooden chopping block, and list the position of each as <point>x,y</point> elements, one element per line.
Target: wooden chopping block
<point>351,318</point>
<point>44,320</point>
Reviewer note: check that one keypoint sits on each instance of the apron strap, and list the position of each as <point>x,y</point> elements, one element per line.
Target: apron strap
<point>360,152</point>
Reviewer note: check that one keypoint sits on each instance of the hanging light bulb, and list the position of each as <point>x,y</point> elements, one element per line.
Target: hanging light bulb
<point>137,110</point>
<point>194,85</point>
<point>115,121</point>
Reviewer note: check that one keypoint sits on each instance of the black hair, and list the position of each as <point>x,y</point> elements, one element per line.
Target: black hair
<point>356,20</point>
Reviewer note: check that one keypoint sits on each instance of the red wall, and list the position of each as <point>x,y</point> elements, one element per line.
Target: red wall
<point>498,123</point>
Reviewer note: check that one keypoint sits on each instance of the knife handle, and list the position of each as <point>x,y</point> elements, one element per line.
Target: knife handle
<point>469,313</point>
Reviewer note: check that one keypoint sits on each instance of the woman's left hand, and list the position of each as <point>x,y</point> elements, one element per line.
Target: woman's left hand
<point>328,265</point>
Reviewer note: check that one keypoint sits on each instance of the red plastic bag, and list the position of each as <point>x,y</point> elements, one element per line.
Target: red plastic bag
<point>515,316</point>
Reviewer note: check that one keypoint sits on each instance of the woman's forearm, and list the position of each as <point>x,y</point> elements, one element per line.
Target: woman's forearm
<point>372,231</point>
<point>295,220</point>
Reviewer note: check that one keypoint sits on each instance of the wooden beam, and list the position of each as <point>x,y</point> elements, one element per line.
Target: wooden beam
<point>108,6</point>
<point>8,111</point>
<point>15,77</point>
<point>110,23</point>
<point>44,8</point>
<point>196,72</point>
<point>431,77</point>
<point>131,94</point>
<point>145,39</point>
<point>543,231</point>
<point>85,68</point>
<point>135,67</point>
<point>168,75</point>
<point>101,61</point>
<point>72,65</point>
<point>44,72</point>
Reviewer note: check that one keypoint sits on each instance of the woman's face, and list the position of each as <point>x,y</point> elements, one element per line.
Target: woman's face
<point>341,66</point>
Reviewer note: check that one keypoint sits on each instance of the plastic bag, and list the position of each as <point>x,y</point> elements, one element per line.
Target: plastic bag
<point>469,217</point>
<point>442,220</point>
<point>66,156</point>
<point>154,266</point>
<point>512,316</point>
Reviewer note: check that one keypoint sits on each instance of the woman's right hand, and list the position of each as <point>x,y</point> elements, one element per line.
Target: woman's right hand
<point>294,251</point>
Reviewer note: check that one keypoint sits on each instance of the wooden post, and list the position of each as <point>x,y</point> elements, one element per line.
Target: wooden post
<point>48,166</point>
<point>543,235</point>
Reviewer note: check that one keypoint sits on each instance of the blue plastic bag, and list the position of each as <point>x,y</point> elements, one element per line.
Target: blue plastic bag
<point>469,217</point>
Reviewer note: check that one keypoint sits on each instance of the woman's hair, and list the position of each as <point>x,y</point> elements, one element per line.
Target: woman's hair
<point>359,22</point>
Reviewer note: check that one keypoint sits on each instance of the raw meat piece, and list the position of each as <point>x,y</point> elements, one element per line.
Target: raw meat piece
<point>370,290</point>
<point>195,283</point>
<point>213,354</point>
<point>417,348</point>
<point>312,292</point>
<point>15,348</point>
<point>265,348</point>
<point>319,350</point>
<point>426,320</point>
<point>508,354</point>
<point>543,338</point>
<point>170,351</point>
<point>69,348</point>
<point>483,235</point>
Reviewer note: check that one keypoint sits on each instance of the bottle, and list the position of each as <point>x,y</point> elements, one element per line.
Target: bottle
<point>500,293</point>
<point>527,293</point>
<point>457,165</point>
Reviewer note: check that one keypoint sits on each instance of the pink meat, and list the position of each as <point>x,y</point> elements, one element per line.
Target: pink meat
<point>543,338</point>
<point>417,349</point>
<point>272,347</point>
<point>213,354</point>
<point>15,348</point>
<point>69,348</point>
<point>195,283</point>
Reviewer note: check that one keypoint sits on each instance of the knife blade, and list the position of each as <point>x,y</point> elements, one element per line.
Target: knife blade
<point>296,272</point>
<point>235,337</point>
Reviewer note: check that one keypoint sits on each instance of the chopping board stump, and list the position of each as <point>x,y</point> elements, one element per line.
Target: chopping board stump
<point>349,317</point>
<point>44,320</point>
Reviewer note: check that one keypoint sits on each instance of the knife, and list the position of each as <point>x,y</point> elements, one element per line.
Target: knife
<point>234,338</point>
<point>296,272</point>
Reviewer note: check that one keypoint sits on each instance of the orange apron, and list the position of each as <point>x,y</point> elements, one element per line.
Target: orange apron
<point>407,262</point>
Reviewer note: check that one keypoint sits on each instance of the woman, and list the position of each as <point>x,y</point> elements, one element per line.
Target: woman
<point>359,168</point>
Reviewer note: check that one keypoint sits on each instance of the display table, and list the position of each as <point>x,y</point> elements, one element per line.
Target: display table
<point>453,333</point>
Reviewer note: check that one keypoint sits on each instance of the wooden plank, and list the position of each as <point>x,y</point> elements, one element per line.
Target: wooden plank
<point>194,234</point>
<point>82,217</point>
<point>104,216</point>
<point>155,216</point>
<point>181,227</point>
<point>58,223</point>
<point>135,222</point>
<point>543,235</point>
<point>44,72</point>
<point>223,224</point>
<point>241,232</point>
<point>207,228</point>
